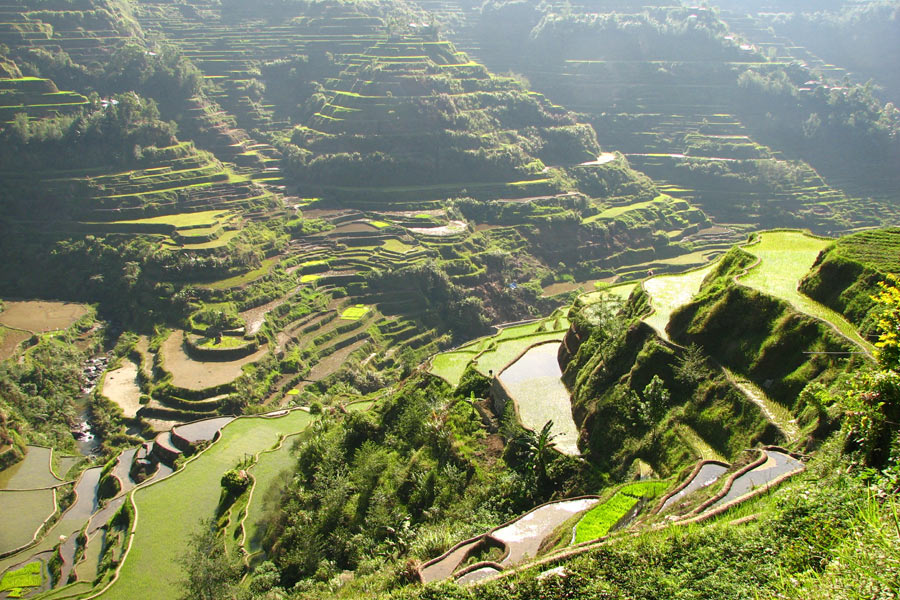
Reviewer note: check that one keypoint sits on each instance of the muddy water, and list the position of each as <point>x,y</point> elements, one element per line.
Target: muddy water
<point>30,473</point>
<point>201,431</point>
<point>524,536</point>
<point>706,476</point>
<point>776,465</point>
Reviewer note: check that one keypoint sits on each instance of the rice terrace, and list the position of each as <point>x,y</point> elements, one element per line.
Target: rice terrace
<point>427,299</point>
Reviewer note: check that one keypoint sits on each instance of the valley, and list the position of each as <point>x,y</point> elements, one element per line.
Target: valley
<point>385,299</point>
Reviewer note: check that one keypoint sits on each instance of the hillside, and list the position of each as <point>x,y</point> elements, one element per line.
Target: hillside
<point>442,298</point>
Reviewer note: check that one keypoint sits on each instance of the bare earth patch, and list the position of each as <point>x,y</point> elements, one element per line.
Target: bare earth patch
<point>197,375</point>
<point>9,340</point>
<point>121,387</point>
<point>40,316</point>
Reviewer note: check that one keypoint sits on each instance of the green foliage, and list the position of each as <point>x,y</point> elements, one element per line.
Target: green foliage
<point>38,393</point>
<point>210,573</point>
<point>597,522</point>
<point>871,405</point>
<point>25,577</point>
<point>100,137</point>
<point>235,481</point>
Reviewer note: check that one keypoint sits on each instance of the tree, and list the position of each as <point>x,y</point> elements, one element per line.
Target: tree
<point>539,452</point>
<point>691,366</point>
<point>210,573</point>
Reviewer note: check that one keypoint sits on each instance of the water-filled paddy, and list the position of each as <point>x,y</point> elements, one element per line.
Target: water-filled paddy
<point>23,512</point>
<point>776,465</point>
<point>524,536</point>
<point>708,474</point>
<point>535,385</point>
<point>31,472</point>
<point>494,360</point>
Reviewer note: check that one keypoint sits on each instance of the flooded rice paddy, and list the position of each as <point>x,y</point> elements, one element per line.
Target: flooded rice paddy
<point>535,385</point>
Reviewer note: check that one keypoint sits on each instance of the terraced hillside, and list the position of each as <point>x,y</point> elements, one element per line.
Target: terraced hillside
<point>689,112</point>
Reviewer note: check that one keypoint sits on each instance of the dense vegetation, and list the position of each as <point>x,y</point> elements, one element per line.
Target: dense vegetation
<point>298,211</point>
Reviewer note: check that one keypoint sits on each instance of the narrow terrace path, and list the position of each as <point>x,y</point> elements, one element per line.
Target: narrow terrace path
<point>775,413</point>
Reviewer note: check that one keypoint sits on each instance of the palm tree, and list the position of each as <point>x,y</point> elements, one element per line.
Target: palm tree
<point>538,449</point>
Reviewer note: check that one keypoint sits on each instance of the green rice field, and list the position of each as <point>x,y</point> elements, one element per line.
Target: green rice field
<point>785,257</point>
<point>272,467</point>
<point>451,365</point>
<point>28,576</point>
<point>181,220</point>
<point>355,313</point>
<point>615,211</point>
<point>621,291</point>
<point>600,519</point>
<point>668,292</point>
<point>151,568</point>
<point>239,280</point>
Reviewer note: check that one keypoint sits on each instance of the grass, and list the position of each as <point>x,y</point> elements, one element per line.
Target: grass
<point>773,411</point>
<point>506,351</point>
<point>785,257</point>
<point>379,224</point>
<point>165,519</point>
<point>227,341</point>
<point>355,312</point>
<point>239,280</point>
<point>698,444</point>
<point>28,576</point>
<point>600,519</point>
<point>668,292</point>
<point>450,366</point>
<point>878,249</point>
